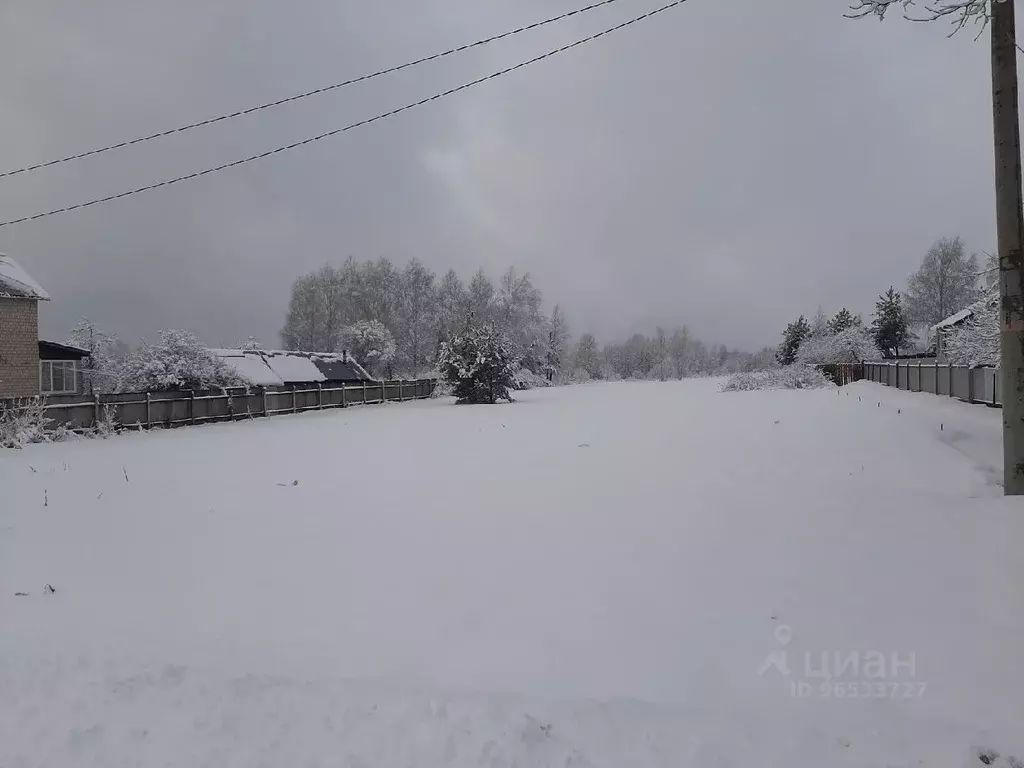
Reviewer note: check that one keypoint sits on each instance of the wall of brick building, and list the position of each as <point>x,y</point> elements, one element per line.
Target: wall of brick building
<point>19,347</point>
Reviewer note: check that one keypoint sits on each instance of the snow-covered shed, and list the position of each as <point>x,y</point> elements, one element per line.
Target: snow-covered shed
<point>266,367</point>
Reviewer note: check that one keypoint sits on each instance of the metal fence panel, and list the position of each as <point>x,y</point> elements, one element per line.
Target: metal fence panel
<point>174,408</point>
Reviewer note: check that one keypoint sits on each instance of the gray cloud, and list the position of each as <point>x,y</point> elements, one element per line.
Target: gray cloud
<point>727,165</point>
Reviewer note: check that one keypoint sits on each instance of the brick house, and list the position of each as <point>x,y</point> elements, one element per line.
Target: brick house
<point>29,366</point>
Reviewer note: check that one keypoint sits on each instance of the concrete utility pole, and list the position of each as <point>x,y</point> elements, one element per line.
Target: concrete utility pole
<point>1010,239</point>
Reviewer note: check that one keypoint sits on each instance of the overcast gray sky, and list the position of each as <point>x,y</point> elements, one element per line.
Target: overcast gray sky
<point>727,165</point>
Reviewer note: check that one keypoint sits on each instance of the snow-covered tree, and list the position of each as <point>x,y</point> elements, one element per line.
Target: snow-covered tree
<point>518,315</point>
<point>415,313</point>
<point>945,283</point>
<point>371,344</point>
<point>99,370</point>
<point>842,320</point>
<point>889,328</point>
<point>479,363</point>
<point>558,335</point>
<point>251,344</point>
<point>452,305</point>
<point>176,361</point>
<point>586,357</point>
<point>792,337</point>
<point>851,345</point>
<point>976,340</point>
<point>316,311</point>
<point>819,323</point>
<point>481,297</point>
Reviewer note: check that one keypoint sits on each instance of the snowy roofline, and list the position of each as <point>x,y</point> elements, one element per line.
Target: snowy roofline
<point>16,283</point>
<point>229,352</point>
<point>959,317</point>
<point>964,314</point>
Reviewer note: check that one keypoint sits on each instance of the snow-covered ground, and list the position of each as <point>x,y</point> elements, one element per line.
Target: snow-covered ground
<point>604,575</point>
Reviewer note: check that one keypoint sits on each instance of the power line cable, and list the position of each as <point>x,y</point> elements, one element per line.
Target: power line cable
<point>336,131</point>
<point>306,94</point>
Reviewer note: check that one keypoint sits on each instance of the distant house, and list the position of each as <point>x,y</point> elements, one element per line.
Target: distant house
<point>940,329</point>
<point>28,366</point>
<point>277,367</point>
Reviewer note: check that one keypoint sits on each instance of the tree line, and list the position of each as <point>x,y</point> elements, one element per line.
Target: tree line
<point>948,281</point>
<point>397,319</point>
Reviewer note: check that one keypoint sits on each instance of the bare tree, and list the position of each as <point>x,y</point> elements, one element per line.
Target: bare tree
<point>417,307</point>
<point>99,368</point>
<point>452,305</point>
<point>481,296</point>
<point>587,357</point>
<point>558,335</point>
<point>518,310</point>
<point>316,312</point>
<point>959,12</point>
<point>946,282</point>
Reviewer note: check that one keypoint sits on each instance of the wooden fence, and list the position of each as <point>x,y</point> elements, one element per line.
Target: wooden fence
<point>176,408</point>
<point>843,373</point>
<point>972,385</point>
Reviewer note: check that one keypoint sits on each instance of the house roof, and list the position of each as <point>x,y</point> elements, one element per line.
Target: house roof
<point>275,367</point>
<point>16,283</point>
<point>967,312</point>
<point>51,350</point>
<point>954,319</point>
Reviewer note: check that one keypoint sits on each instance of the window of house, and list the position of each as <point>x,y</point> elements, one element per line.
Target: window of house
<point>57,377</point>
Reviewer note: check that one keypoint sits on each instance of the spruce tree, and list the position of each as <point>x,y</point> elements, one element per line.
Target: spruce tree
<point>890,325</point>
<point>480,364</point>
<point>841,320</point>
<point>792,337</point>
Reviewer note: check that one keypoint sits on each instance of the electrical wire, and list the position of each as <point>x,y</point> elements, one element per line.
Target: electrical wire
<point>336,131</point>
<point>305,94</point>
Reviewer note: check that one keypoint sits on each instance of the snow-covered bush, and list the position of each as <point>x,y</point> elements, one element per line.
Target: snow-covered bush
<point>479,364</point>
<point>177,361</point>
<point>578,376</point>
<point>976,340</point>
<point>26,422</point>
<point>851,345</point>
<point>788,377</point>
<point>371,344</point>
<point>524,379</point>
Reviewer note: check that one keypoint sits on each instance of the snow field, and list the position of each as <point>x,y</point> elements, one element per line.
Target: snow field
<point>590,576</point>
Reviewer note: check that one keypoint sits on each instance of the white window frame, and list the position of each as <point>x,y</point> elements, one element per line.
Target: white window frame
<point>64,365</point>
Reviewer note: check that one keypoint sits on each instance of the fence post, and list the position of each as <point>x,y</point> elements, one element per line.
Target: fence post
<point>918,377</point>
<point>970,385</point>
<point>995,384</point>
<point>95,410</point>
<point>344,389</point>
<point>936,377</point>
<point>191,406</point>
<point>294,407</point>
<point>319,395</point>
<point>263,390</point>
<point>383,392</point>
<point>401,395</point>
<point>149,417</point>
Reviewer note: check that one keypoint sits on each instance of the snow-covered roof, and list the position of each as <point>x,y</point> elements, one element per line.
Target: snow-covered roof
<point>966,313</point>
<point>17,283</point>
<point>269,367</point>
<point>952,320</point>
